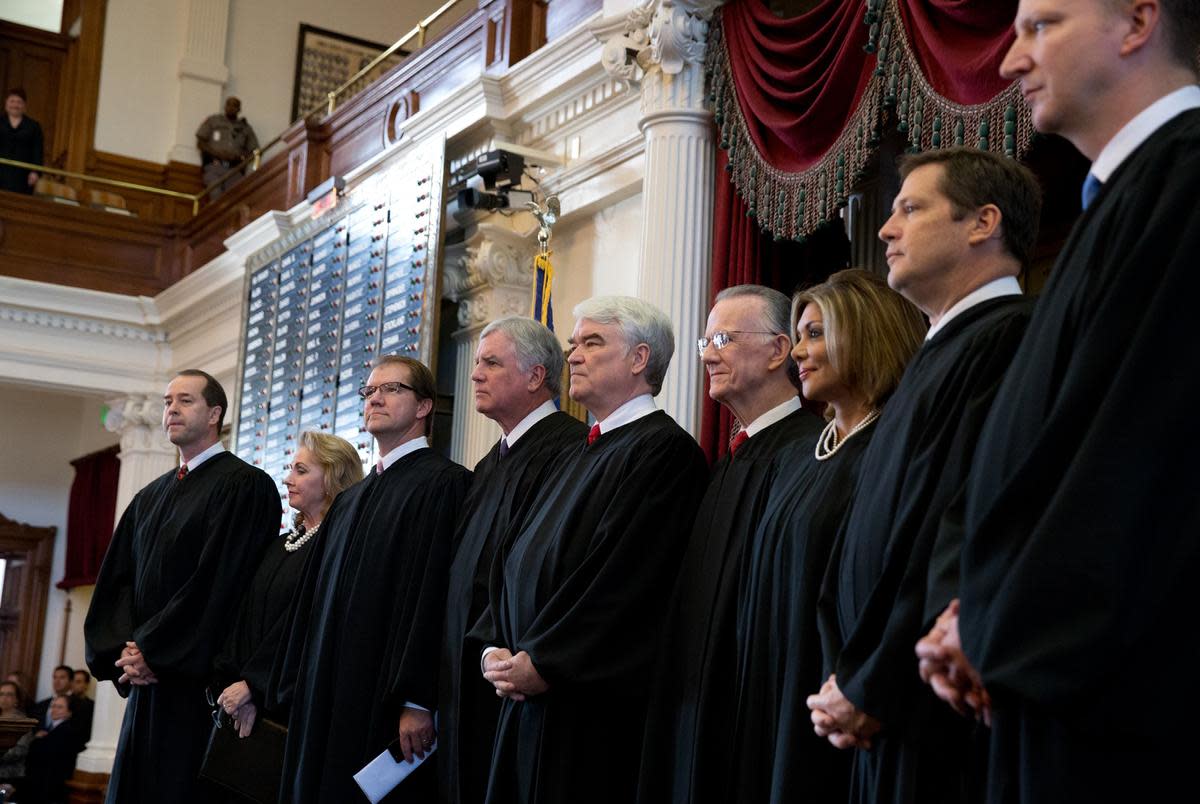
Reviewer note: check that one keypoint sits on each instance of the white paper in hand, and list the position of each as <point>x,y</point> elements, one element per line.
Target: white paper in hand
<point>381,775</point>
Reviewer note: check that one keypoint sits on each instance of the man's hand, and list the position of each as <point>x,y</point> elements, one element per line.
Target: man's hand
<point>416,733</point>
<point>234,697</point>
<point>513,676</point>
<point>945,668</point>
<point>244,717</point>
<point>134,668</point>
<point>838,720</point>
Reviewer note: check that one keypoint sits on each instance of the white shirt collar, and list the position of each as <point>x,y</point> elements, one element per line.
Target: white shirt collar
<point>1139,129</point>
<point>631,411</point>
<point>215,449</point>
<point>536,415</point>
<point>775,414</point>
<point>1004,286</point>
<point>412,445</point>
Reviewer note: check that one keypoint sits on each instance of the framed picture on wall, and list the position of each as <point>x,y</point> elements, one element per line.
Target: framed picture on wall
<point>325,60</point>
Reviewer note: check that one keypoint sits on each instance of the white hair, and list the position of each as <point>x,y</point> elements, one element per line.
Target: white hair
<point>535,346</point>
<point>640,322</point>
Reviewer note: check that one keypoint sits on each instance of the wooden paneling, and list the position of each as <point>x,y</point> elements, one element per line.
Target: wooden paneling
<point>34,60</point>
<point>143,255</point>
<point>50,242</point>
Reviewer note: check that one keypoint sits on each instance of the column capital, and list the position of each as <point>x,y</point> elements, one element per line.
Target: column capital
<point>137,419</point>
<point>490,273</point>
<point>657,36</point>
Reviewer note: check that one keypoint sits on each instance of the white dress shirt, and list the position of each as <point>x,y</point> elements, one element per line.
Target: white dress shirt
<point>536,415</point>
<point>630,412</point>
<point>1004,286</point>
<point>775,414</point>
<point>215,449</point>
<point>1139,129</point>
<point>408,447</point>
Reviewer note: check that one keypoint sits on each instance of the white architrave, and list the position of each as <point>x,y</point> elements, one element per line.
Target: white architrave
<point>202,72</point>
<point>490,275</point>
<point>660,45</point>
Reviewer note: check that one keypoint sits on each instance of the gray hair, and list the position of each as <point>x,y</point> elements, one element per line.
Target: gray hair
<point>535,346</point>
<point>776,308</point>
<point>776,312</point>
<point>640,322</point>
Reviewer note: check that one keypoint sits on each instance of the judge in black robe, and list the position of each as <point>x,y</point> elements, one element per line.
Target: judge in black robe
<point>873,608</point>
<point>178,564</point>
<point>692,703</point>
<point>518,371</point>
<point>578,599</point>
<point>365,630</point>
<point>1078,589</point>
<point>775,755</point>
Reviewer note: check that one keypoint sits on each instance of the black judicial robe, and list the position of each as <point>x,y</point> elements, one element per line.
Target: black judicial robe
<point>873,607</point>
<point>258,634</point>
<point>174,574</point>
<point>692,708</point>
<point>777,757</point>
<point>366,627</point>
<point>583,588</point>
<point>24,144</point>
<point>502,493</point>
<point>1080,567</point>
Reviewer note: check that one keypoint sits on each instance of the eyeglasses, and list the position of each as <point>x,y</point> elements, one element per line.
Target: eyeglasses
<point>720,339</point>
<point>217,713</point>
<point>368,391</point>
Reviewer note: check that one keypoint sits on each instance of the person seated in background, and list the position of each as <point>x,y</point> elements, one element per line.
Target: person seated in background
<point>12,761</point>
<point>61,684</point>
<point>81,684</point>
<point>20,140</point>
<point>24,699</point>
<point>52,753</point>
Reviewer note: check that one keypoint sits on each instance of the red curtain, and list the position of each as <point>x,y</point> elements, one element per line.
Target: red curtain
<point>90,515</point>
<point>798,83</point>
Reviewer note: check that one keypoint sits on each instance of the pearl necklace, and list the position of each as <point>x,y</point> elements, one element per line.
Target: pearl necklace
<point>295,540</point>
<point>828,443</point>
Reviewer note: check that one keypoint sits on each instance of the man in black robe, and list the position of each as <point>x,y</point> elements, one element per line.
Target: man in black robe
<point>182,554</point>
<point>961,228</point>
<point>1079,565</point>
<point>693,714</point>
<point>517,379</point>
<point>578,597</point>
<point>361,664</point>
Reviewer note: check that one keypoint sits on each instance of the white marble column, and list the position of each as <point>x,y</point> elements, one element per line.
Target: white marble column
<point>145,454</point>
<point>202,71</point>
<point>660,45</point>
<point>490,275</point>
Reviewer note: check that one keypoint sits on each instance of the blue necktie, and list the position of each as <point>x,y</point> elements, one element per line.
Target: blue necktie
<point>503,448</point>
<point>1091,187</point>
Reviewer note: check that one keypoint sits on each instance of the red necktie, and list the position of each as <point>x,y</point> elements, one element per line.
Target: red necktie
<point>741,438</point>
<point>379,466</point>
<point>593,434</point>
<point>182,473</point>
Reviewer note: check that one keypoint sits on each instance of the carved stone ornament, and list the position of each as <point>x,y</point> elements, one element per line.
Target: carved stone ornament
<point>669,34</point>
<point>137,418</point>
<point>490,274</point>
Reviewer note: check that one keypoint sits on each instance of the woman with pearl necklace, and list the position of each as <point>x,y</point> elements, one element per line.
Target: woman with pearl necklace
<point>853,338</point>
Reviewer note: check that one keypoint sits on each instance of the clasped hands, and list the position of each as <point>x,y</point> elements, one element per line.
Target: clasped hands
<point>513,677</point>
<point>945,668</point>
<point>238,703</point>
<point>134,669</point>
<point>836,719</point>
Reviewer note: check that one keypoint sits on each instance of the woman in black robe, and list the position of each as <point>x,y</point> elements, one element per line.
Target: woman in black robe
<point>323,466</point>
<point>853,338</point>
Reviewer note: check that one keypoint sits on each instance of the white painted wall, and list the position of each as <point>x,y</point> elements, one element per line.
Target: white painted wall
<point>41,432</point>
<point>596,256</point>
<point>143,43</point>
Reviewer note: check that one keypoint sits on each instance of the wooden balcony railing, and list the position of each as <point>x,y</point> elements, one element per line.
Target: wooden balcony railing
<point>42,240</point>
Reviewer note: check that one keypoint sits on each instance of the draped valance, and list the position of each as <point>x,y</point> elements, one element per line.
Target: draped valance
<point>802,103</point>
